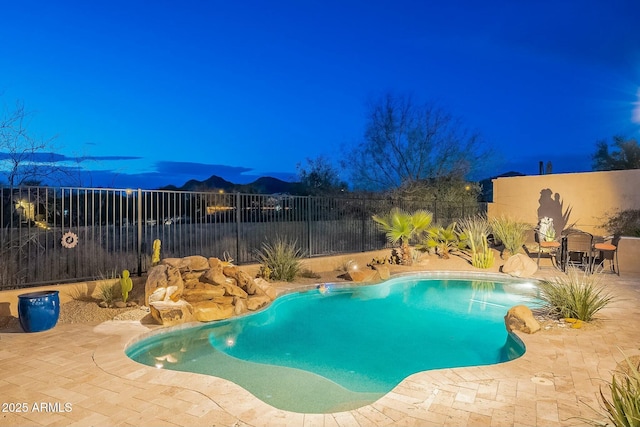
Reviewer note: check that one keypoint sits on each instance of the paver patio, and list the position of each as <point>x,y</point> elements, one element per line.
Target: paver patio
<point>78,375</point>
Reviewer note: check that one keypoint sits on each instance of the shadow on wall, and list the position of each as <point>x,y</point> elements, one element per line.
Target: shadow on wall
<point>551,206</point>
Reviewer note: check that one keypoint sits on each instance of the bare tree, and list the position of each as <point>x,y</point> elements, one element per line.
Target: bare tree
<point>320,177</point>
<point>405,143</point>
<point>24,159</point>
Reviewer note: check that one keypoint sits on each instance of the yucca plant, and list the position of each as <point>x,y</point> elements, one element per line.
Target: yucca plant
<point>623,406</point>
<point>576,295</point>
<point>400,227</point>
<point>280,259</point>
<point>510,232</point>
<point>473,232</point>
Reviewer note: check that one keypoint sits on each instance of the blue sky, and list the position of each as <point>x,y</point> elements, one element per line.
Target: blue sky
<point>156,93</point>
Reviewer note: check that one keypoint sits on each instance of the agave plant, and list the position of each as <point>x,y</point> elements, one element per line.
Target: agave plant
<point>400,227</point>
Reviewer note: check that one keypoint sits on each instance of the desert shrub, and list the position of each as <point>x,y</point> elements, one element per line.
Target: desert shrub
<point>577,295</point>
<point>511,233</point>
<point>280,259</point>
<point>623,406</point>
<point>624,223</point>
<point>108,293</point>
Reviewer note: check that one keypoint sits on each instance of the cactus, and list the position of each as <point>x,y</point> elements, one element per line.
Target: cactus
<point>126,284</point>
<point>482,258</point>
<point>155,259</point>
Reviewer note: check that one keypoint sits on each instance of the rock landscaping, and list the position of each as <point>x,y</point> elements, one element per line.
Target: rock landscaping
<point>195,288</point>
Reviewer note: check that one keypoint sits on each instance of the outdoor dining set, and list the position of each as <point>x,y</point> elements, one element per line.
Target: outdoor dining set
<point>579,249</point>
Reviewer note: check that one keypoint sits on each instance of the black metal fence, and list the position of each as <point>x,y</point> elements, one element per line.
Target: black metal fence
<point>56,235</point>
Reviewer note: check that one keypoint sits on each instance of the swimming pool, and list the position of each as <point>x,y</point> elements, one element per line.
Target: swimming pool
<point>337,348</point>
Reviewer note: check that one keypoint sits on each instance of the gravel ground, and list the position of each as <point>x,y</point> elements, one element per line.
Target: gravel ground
<point>79,311</point>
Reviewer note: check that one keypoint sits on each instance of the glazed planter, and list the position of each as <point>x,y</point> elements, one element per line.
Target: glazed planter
<point>38,311</point>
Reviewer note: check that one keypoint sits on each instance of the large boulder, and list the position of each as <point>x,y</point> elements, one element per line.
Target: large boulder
<point>257,302</point>
<point>361,275</point>
<point>166,277</point>
<point>243,279</point>
<point>520,318</point>
<point>231,289</point>
<point>214,274</point>
<point>383,271</point>
<point>265,288</point>
<point>204,292</point>
<point>207,311</point>
<point>520,265</point>
<point>169,313</point>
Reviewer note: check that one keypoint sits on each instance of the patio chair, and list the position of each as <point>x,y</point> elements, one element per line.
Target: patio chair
<point>549,247</point>
<point>577,250</point>
<point>607,250</point>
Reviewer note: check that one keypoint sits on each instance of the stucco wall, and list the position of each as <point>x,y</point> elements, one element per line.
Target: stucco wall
<point>586,198</point>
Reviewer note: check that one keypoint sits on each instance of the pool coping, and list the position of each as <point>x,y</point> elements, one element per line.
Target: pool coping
<point>528,369</point>
<point>555,383</point>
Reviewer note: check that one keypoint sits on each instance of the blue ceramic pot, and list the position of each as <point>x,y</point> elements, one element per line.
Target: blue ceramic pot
<point>38,311</point>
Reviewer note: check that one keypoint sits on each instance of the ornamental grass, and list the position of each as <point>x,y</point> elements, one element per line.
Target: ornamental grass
<point>280,259</point>
<point>576,295</point>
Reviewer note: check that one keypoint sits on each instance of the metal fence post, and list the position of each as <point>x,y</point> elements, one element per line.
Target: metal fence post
<point>363,228</point>
<point>309,226</point>
<point>139,232</point>
<point>238,222</point>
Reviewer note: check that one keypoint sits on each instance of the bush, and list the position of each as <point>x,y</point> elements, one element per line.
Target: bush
<point>624,223</point>
<point>108,293</point>
<point>512,234</point>
<point>577,295</point>
<point>280,260</point>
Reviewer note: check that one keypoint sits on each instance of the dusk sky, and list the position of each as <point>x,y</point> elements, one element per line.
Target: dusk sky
<point>156,93</point>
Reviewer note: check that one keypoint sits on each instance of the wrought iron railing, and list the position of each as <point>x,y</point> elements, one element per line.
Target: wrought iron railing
<point>56,235</point>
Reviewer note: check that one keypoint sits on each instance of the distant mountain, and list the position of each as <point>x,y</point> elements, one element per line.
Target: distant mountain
<point>263,185</point>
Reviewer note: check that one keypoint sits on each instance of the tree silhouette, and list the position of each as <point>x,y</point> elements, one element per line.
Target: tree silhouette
<point>26,160</point>
<point>627,155</point>
<point>405,143</point>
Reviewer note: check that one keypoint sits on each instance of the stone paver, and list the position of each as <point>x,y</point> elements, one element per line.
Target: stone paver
<point>78,375</point>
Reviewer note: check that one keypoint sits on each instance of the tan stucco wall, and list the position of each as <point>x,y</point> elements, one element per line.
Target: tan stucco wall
<point>591,196</point>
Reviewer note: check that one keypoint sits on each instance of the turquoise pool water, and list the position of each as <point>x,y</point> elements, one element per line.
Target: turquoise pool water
<point>338,348</point>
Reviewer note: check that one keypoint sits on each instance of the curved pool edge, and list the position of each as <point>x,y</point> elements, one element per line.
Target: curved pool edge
<point>234,388</point>
<point>312,287</point>
<point>418,390</point>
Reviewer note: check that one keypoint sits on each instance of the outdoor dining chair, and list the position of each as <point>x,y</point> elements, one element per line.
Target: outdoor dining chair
<point>577,250</point>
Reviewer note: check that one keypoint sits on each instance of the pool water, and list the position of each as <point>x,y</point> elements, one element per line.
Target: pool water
<point>338,348</point>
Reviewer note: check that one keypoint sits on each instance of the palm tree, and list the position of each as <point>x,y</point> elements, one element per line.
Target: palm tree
<point>441,240</point>
<point>400,227</point>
